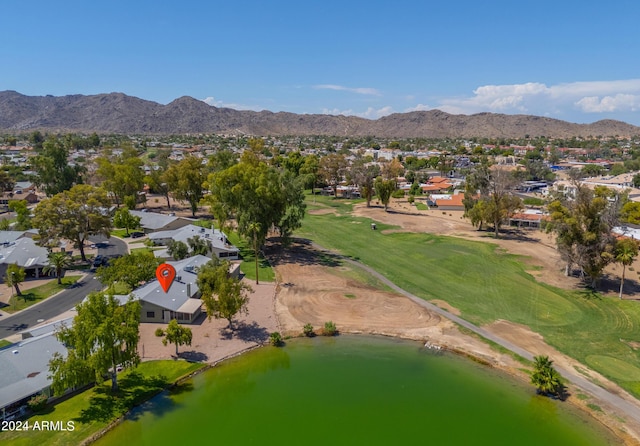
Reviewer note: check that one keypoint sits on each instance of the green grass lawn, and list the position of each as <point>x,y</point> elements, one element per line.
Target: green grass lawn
<point>248,265</point>
<point>38,294</point>
<point>486,284</point>
<point>122,233</point>
<point>4,343</point>
<point>421,206</point>
<point>94,409</point>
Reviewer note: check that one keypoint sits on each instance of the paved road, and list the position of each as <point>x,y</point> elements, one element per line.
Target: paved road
<point>628,408</point>
<point>64,300</point>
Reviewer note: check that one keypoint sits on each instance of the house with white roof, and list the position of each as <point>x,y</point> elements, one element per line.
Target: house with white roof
<point>25,253</point>
<point>216,240</point>
<point>153,222</point>
<point>182,299</point>
<point>24,367</point>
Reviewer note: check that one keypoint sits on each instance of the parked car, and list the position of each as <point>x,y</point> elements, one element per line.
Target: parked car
<point>97,261</point>
<point>137,234</point>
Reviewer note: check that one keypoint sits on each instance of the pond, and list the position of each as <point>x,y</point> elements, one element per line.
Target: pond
<point>354,390</point>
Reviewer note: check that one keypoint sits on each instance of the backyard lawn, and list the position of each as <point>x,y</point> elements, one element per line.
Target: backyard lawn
<point>487,284</point>
<point>92,410</point>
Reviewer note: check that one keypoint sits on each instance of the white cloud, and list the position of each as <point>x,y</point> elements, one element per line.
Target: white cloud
<point>538,98</point>
<point>369,113</point>
<point>210,100</point>
<point>419,107</point>
<point>619,102</point>
<point>360,90</point>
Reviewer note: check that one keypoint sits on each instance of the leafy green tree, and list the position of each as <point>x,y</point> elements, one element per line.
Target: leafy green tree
<point>255,230</point>
<point>14,276</point>
<point>177,334</point>
<point>630,212</point>
<point>224,296</point>
<point>186,181</point>
<point>583,228</point>
<point>157,182</point>
<point>626,251</point>
<point>6,182</point>
<point>384,189</point>
<point>75,214</point>
<point>23,214</point>
<point>58,263</point>
<point>310,171</point>
<point>122,175</point>
<point>364,175</point>
<point>133,269</point>
<point>123,218</point>
<point>177,250</point>
<point>104,336</point>
<point>254,191</point>
<point>546,379</point>
<point>333,168</point>
<point>199,245</point>
<point>591,170</point>
<point>53,171</point>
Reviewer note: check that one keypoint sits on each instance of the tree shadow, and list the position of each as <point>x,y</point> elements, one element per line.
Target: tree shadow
<point>248,332</point>
<point>611,284</point>
<point>193,356</point>
<point>589,293</point>
<point>302,252</point>
<point>133,389</point>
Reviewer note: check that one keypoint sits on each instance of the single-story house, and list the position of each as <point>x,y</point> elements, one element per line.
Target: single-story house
<point>24,367</point>
<point>25,253</point>
<point>217,240</point>
<point>182,299</point>
<point>450,202</point>
<point>153,222</point>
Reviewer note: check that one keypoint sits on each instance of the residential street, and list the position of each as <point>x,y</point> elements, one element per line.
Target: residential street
<point>64,300</point>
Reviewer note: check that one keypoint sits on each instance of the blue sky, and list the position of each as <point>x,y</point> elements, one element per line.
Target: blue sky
<point>566,59</point>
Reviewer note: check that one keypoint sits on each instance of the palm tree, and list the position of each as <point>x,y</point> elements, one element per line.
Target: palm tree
<point>626,251</point>
<point>58,262</point>
<point>546,379</point>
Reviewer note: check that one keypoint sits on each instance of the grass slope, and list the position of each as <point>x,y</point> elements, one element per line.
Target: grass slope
<point>487,284</point>
<point>38,294</point>
<point>93,410</point>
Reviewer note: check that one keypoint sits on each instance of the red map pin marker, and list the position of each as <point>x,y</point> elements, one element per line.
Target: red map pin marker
<point>165,274</point>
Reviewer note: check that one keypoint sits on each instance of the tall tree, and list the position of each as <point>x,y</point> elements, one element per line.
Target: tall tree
<point>333,168</point>
<point>157,182</point>
<point>186,181</point>
<point>310,172</point>
<point>14,276</point>
<point>254,191</point>
<point>626,251</point>
<point>122,175</point>
<point>53,171</point>
<point>224,296</point>
<point>6,182</point>
<point>123,218</point>
<point>384,189</point>
<point>364,175</point>
<point>255,229</point>
<point>104,336</point>
<point>58,263</point>
<point>75,214</point>
<point>177,334</point>
<point>583,228</point>
<point>178,250</point>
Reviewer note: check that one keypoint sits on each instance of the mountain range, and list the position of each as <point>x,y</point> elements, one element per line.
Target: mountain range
<point>123,114</point>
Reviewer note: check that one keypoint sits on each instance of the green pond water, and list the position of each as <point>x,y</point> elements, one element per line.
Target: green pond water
<point>354,390</point>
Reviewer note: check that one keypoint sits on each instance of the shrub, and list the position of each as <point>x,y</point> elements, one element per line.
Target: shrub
<point>308,330</point>
<point>159,332</point>
<point>329,329</point>
<point>411,199</point>
<point>399,193</point>
<point>275,339</point>
<point>37,402</point>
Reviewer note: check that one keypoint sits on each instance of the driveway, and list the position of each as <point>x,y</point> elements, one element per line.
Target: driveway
<point>65,300</point>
